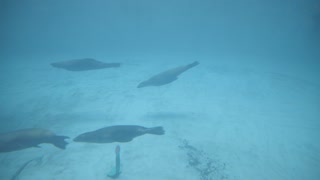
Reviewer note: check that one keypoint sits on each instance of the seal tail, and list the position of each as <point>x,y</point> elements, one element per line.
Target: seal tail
<point>59,141</point>
<point>112,65</point>
<point>155,130</point>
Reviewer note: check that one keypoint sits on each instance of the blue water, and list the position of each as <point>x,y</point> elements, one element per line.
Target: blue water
<point>249,110</point>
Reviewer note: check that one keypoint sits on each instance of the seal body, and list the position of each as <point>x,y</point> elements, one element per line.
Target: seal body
<point>26,138</point>
<point>120,133</point>
<point>166,77</point>
<point>83,64</point>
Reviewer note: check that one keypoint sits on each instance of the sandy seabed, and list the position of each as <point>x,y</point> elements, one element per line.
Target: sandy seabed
<point>222,121</point>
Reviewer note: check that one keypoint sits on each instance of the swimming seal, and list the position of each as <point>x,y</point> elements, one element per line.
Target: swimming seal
<point>26,138</point>
<point>83,64</point>
<point>120,133</point>
<point>166,77</point>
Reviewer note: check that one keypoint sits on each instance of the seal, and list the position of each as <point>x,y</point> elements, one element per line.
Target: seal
<point>83,64</point>
<point>26,138</point>
<point>120,133</point>
<point>166,77</point>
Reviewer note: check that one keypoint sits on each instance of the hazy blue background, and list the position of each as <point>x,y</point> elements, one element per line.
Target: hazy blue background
<point>270,28</point>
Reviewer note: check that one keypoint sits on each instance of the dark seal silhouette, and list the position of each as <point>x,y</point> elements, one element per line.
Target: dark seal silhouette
<point>83,64</point>
<point>166,77</point>
<point>26,138</point>
<point>120,133</point>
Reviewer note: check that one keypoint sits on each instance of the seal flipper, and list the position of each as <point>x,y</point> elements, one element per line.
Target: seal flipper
<point>59,141</point>
<point>124,139</point>
<point>192,64</point>
<point>109,65</point>
<point>156,130</point>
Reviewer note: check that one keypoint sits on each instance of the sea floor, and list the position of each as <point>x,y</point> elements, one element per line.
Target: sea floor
<point>223,120</point>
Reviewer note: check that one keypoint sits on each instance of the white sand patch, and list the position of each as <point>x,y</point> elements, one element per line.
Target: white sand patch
<point>260,125</point>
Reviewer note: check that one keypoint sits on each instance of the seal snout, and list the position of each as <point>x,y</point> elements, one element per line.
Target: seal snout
<point>82,137</point>
<point>77,139</point>
<point>55,65</point>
